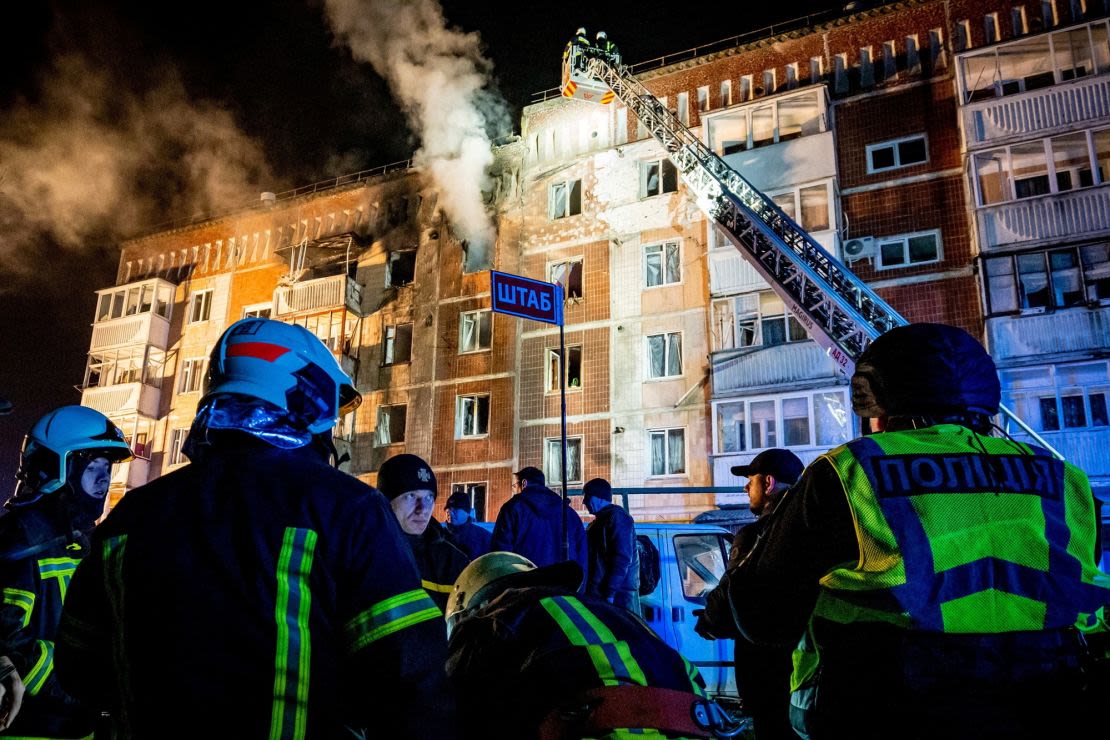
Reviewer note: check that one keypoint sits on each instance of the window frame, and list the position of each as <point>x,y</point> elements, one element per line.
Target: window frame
<point>389,343</point>
<point>1086,282</point>
<point>788,318</point>
<point>468,488</point>
<point>551,357</point>
<point>663,163</point>
<point>666,356</point>
<point>1055,389</point>
<point>205,297</point>
<point>1004,154</point>
<point>905,239</point>
<point>396,256</point>
<point>666,434</point>
<point>663,270</point>
<point>893,144</point>
<point>569,184</point>
<point>175,454</point>
<point>478,335</point>
<point>190,376</point>
<point>551,278</point>
<point>749,107</point>
<point>553,467</point>
<point>745,446</point>
<point>462,399</point>
<point>252,311</point>
<point>384,414</point>
<point>796,190</point>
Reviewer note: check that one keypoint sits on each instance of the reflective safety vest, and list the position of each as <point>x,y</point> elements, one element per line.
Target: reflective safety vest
<point>964,533</point>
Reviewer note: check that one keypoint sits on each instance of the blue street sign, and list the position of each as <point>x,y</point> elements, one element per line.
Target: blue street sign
<point>527,298</point>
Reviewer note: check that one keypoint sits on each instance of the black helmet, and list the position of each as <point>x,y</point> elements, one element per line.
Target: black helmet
<point>927,370</point>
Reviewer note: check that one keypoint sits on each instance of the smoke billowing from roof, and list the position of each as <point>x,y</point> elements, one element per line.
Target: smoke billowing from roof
<point>440,78</point>
<point>90,162</point>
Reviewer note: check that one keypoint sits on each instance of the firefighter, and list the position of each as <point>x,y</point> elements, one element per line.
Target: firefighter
<point>62,482</point>
<point>474,540</point>
<point>410,485</point>
<point>258,591</point>
<point>577,45</point>
<point>607,48</point>
<point>562,665</point>
<point>937,573</point>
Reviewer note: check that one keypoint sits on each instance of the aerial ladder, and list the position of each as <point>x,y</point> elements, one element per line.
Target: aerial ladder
<point>838,310</point>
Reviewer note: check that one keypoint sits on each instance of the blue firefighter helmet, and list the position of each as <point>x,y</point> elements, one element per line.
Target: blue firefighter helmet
<point>54,441</point>
<point>284,365</point>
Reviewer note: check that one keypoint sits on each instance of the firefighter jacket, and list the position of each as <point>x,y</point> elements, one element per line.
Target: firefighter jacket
<point>473,540</point>
<point>529,524</point>
<point>614,563</point>
<point>439,560</point>
<point>40,551</point>
<point>938,572</point>
<point>257,592</point>
<point>538,649</point>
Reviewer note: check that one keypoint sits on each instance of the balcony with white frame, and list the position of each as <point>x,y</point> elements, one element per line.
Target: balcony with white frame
<point>124,398</point>
<point>1049,335</point>
<point>137,313</point>
<point>730,271</point>
<point>335,291</point>
<point>1035,86</point>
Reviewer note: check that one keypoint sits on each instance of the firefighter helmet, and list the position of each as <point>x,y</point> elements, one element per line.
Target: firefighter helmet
<point>581,31</point>
<point>492,573</point>
<point>602,36</point>
<point>929,370</point>
<point>285,365</point>
<point>54,441</point>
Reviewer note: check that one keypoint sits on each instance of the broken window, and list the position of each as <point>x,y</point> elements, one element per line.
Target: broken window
<point>664,355</point>
<point>726,93</point>
<point>476,492</point>
<point>397,344</point>
<point>471,416</point>
<point>703,99</point>
<point>657,177</point>
<point>402,268</point>
<point>1058,278</point>
<point>564,199</point>
<point>574,369</point>
<point>553,460</point>
<point>662,264</point>
<point>475,330</point>
<point>569,275</point>
<point>391,424</point>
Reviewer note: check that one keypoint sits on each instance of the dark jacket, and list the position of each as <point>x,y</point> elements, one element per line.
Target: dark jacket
<point>513,663</point>
<point>1018,684</point>
<point>203,580</point>
<point>473,540</point>
<point>529,525</point>
<point>614,562</point>
<point>39,550</point>
<point>439,560</point>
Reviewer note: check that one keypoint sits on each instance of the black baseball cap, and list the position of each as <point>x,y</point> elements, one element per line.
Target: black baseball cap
<point>783,464</point>
<point>459,500</point>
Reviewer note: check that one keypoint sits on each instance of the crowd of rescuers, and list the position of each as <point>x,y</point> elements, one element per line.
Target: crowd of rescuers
<point>924,580</point>
<point>601,46</point>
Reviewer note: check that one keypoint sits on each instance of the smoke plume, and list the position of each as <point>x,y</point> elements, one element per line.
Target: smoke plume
<point>89,162</point>
<point>441,80</point>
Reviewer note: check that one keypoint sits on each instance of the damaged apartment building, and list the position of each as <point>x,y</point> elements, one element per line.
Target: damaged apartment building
<point>954,154</point>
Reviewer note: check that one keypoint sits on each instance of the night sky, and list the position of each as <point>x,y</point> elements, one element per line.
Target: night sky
<point>314,112</point>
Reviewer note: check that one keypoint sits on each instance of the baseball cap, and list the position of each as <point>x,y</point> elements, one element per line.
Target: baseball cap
<point>783,464</point>
<point>459,500</point>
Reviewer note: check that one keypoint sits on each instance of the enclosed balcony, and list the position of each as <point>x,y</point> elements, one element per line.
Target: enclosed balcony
<point>799,363</point>
<point>1049,335</point>
<point>1043,84</point>
<point>125,380</point>
<point>125,398</point>
<point>138,313</point>
<point>731,272</point>
<point>335,291</point>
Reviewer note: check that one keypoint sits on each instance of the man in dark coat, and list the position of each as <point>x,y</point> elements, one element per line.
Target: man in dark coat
<point>474,540</point>
<point>257,591</point>
<point>410,485</point>
<point>562,665</point>
<point>531,523</point>
<point>762,671</point>
<point>614,563</point>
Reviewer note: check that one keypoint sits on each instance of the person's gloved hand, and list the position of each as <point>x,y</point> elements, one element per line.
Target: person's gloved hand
<point>703,626</point>
<point>11,693</point>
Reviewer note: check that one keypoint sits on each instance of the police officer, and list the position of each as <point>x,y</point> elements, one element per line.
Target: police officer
<point>614,563</point>
<point>410,485</point>
<point>561,666</point>
<point>63,477</point>
<point>258,591</point>
<point>473,540</point>
<point>940,571</point>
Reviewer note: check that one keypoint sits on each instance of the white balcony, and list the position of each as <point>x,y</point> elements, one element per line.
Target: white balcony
<point>731,272</point>
<point>131,474</point>
<point>144,328</point>
<point>1048,335</point>
<point>336,291</point>
<point>1037,113</point>
<point>123,399</point>
<point>1071,215</point>
<point>1084,448</point>
<point>785,363</point>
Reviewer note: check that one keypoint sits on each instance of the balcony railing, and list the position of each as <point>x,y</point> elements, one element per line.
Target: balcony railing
<point>146,328</point>
<point>1084,448</point>
<point>1070,215</point>
<point>123,399</point>
<point>1038,112</point>
<point>337,291</point>
<point>1072,330</point>
<point>131,474</point>
<point>785,363</point>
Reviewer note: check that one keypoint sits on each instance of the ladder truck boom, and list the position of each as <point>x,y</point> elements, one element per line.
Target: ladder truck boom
<point>838,310</point>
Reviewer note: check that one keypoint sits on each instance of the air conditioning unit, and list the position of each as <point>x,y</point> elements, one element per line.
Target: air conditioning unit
<point>860,247</point>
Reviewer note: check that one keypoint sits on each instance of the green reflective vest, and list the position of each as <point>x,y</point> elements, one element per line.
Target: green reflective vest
<point>964,533</point>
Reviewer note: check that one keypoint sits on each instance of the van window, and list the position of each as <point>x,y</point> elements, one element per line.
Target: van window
<point>701,563</point>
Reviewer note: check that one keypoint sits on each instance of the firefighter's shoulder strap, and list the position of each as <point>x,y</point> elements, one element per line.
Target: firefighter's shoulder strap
<point>606,710</point>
